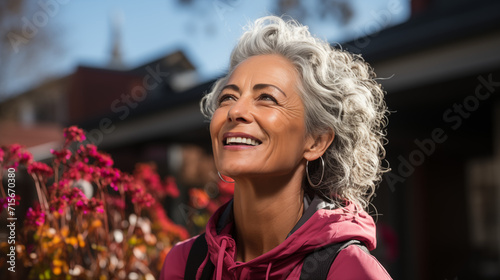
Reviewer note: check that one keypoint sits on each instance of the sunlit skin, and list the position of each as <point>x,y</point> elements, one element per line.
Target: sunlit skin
<point>260,102</point>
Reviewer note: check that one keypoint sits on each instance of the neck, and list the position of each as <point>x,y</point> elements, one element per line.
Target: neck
<point>265,211</point>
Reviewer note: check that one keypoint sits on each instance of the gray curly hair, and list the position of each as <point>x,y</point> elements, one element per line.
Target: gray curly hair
<point>339,92</point>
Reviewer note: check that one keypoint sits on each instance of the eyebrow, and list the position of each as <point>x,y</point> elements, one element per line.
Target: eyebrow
<point>256,87</point>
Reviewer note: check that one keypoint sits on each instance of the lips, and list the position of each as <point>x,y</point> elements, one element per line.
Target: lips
<point>234,138</point>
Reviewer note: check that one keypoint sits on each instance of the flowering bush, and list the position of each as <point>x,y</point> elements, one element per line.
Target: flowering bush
<point>91,220</point>
<point>205,201</point>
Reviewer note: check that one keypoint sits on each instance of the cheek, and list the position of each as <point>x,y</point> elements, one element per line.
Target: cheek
<point>286,126</point>
<point>216,123</point>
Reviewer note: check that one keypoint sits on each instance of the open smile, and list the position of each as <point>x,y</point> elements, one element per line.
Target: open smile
<point>233,139</point>
<point>240,140</point>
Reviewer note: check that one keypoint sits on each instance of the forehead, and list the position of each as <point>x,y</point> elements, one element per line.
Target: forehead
<point>271,69</point>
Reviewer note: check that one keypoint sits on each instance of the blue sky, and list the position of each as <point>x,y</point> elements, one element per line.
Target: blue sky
<point>206,33</point>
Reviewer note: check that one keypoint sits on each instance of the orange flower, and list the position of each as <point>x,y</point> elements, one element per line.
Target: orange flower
<point>199,198</point>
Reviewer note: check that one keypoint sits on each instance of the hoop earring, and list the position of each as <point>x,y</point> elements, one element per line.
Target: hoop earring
<point>220,176</point>
<point>322,173</point>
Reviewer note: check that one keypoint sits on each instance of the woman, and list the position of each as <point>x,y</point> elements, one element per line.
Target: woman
<point>299,127</point>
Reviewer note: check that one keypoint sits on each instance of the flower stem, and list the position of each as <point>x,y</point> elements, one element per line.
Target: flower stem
<point>39,193</point>
<point>105,213</point>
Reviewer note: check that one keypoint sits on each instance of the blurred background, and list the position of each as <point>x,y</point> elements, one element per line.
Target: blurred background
<point>132,73</point>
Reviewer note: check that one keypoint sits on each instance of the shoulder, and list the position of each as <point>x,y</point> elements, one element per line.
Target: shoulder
<point>354,263</point>
<point>175,261</point>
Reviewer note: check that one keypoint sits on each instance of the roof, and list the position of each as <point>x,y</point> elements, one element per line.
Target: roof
<point>438,45</point>
<point>38,139</point>
<point>430,29</point>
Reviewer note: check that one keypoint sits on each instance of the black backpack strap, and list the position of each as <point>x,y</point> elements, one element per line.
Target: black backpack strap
<point>196,256</point>
<point>317,264</point>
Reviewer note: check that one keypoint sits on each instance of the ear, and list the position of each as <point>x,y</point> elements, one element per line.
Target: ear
<point>317,145</point>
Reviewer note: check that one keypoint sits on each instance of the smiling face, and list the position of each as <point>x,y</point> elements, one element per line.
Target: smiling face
<point>258,128</point>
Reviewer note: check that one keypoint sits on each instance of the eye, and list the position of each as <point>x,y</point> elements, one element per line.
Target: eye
<point>225,97</point>
<point>267,97</point>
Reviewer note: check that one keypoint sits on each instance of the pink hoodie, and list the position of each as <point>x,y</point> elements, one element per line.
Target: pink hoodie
<point>320,225</point>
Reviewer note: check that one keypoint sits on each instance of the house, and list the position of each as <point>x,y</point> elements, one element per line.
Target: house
<point>102,100</point>
<point>441,70</point>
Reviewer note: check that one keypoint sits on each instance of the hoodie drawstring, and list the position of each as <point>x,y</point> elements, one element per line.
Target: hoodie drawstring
<point>268,272</point>
<point>220,259</point>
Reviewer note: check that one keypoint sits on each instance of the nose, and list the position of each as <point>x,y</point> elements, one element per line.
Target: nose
<point>240,111</point>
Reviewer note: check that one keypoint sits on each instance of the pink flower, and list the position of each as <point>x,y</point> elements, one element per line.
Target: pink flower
<point>14,148</point>
<point>88,150</point>
<point>13,155</point>
<point>80,204</point>
<point>128,182</point>
<point>170,187</point>
<point>140,196</point>
<point>143,199</point>
<point>58,204</point>
<point>84,170</point>
<point>146,172</point>
<point>79,200</point>
<point>104,160</point>
<point>35,217</point>
<point>25,157</point>
<point>79,170</point>
<point>41,169</point>
<point>74,134</point>
<point>61,156</point>
<point>64,183</point>
<point>112,177</point>
<point>95,205</point>
<point>56,190</point>
<point>76,195</point>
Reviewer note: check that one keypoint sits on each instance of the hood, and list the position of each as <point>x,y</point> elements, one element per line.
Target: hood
<point>321,224</point>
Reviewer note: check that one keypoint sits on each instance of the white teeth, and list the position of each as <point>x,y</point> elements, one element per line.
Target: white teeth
<point>241,140</point>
